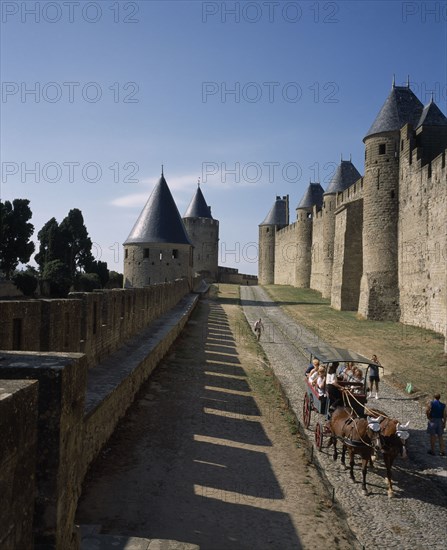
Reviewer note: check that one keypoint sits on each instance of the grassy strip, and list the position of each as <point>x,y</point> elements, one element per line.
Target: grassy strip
<point>409,354</point>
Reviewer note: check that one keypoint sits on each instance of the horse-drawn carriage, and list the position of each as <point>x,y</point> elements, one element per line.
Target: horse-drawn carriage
<point>354,393</point>
<point>362,430</point>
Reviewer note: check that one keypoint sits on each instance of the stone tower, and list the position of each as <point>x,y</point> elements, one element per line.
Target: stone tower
<point>203,231</point>
<point>345,176</point>
<point>158,248</point>
<point>312,197</point>
<point>379,294</point>
<point>277,218</point>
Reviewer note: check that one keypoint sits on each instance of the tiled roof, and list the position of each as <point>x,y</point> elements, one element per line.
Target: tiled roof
<point>159,221</point>
<point>197,207</point>
<point>278,214</point>
<point>345,175</point>
<point>400,107</point>
<point>312,197</point>
<point>432,116</point>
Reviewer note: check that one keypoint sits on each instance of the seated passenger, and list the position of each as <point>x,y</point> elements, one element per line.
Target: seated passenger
<point>320,382</point>
<point>348,371</point>
<point>312,367</point>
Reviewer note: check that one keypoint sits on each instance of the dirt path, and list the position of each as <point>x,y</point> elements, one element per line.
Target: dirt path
<point>206,454</point>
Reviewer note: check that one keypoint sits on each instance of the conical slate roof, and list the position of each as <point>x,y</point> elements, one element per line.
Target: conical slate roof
<point>400,107</point>
<point>197,207</point>
<point>312,197</point>
<point>278,214</point>
<point>159,221</point>
<point>432,116</point>
<point>345,175</point>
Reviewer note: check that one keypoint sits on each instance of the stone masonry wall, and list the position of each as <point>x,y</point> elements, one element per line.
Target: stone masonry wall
<point>18,441</point>
<point>95,323</point>
<point>348,258</point>
<point>150,264</point>
<point>317,275</point>
<point>423,240</point>
<point>286,255</point>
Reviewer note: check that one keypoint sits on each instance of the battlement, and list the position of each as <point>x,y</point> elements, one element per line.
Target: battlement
<point>351,194</point>
<point>94,323</point>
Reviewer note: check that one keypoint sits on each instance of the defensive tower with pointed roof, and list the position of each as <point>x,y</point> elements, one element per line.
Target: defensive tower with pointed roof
<point>158,248</point>
<point>203,231</point>
<point>379,294</point>
<point>277,218</point>
<point>380,239</point>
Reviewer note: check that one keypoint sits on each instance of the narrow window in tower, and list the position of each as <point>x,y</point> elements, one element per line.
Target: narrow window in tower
<point>174,253</point>
<point>145,252</point>
<point>392,194</point>
<point>401,144</point>
<point>411,157</point>
<point>267,230</point>
<point>161,255</point>
<point>429,170</point>
<point>382,148</point>
<point>126,253</point>
<point>443,160</point>
<point>309,215</point>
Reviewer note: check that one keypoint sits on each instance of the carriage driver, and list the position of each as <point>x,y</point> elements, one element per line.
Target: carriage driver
<point>333,388</point>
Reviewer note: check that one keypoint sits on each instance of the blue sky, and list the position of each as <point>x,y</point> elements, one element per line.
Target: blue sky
<point>255,98</point>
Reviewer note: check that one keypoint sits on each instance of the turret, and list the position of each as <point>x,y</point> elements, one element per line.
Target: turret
<point>312,197</point>
<point>345,176</point>
<point>203,232</point>
<point>158,248</point>
<point>431,132</point>
<point>379,294</point>
<point>277,218</point>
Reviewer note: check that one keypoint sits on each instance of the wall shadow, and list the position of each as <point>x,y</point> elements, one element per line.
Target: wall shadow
<point>184,464</point>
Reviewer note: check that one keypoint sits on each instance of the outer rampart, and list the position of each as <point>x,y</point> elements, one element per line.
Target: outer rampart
<point>74,409</point>
<point>94,323</point>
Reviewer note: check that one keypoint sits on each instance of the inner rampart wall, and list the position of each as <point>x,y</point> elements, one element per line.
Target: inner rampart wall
<point>423,240</point>
<point>286,255</point>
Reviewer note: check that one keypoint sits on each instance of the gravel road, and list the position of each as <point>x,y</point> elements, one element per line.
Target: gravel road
<point>416,518</point>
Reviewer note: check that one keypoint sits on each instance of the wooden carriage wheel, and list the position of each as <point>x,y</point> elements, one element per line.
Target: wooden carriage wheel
<point>319,436</point>
<point>306,411</point>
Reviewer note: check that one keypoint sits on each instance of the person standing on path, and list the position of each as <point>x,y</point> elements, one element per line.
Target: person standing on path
<point>258,328</point>
<point>374,377</point>
<point>437,415</point>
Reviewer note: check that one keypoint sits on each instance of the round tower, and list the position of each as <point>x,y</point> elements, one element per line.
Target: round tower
<point>158,249</point>
<point>277,218</point>
<point>312,197</point>
<point>379,293</point>
<point>345,175</point>
<point>203,232</point>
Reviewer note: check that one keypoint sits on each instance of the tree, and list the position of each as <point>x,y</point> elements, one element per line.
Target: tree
<point>99,268</point>
<point>51,244</point>
<point>77,243</point>
<point>57,276</point>
<point>87,282</point>
<point>26,280</point>
<point>115,280</point>
<point>15,234</point>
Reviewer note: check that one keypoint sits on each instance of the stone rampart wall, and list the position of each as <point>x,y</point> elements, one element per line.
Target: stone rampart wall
<point>18,440</point>
<point>423,243</point>
<point>95,323</point>
<point>286,255</point>
<point>53,423</point>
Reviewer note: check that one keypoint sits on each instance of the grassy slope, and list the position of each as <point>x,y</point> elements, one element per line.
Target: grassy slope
<point>409,354</point>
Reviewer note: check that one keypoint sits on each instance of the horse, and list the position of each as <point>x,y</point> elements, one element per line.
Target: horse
<point>393,437</point>
<point>359,436</point>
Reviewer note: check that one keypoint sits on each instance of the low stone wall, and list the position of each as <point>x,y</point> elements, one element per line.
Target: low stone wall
<point>18,440</point>
<point>73,410</point>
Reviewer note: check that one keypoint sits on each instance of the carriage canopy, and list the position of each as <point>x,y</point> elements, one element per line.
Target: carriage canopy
<point>330,354</point>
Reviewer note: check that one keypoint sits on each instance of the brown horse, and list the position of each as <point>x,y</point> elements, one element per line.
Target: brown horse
<point>358,435</point>
<point>393,438</point>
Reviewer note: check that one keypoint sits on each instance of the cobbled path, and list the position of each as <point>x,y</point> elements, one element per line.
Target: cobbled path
<point>416,518</point>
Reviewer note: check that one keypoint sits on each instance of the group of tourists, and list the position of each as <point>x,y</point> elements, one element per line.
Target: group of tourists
<point>327,382</point>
